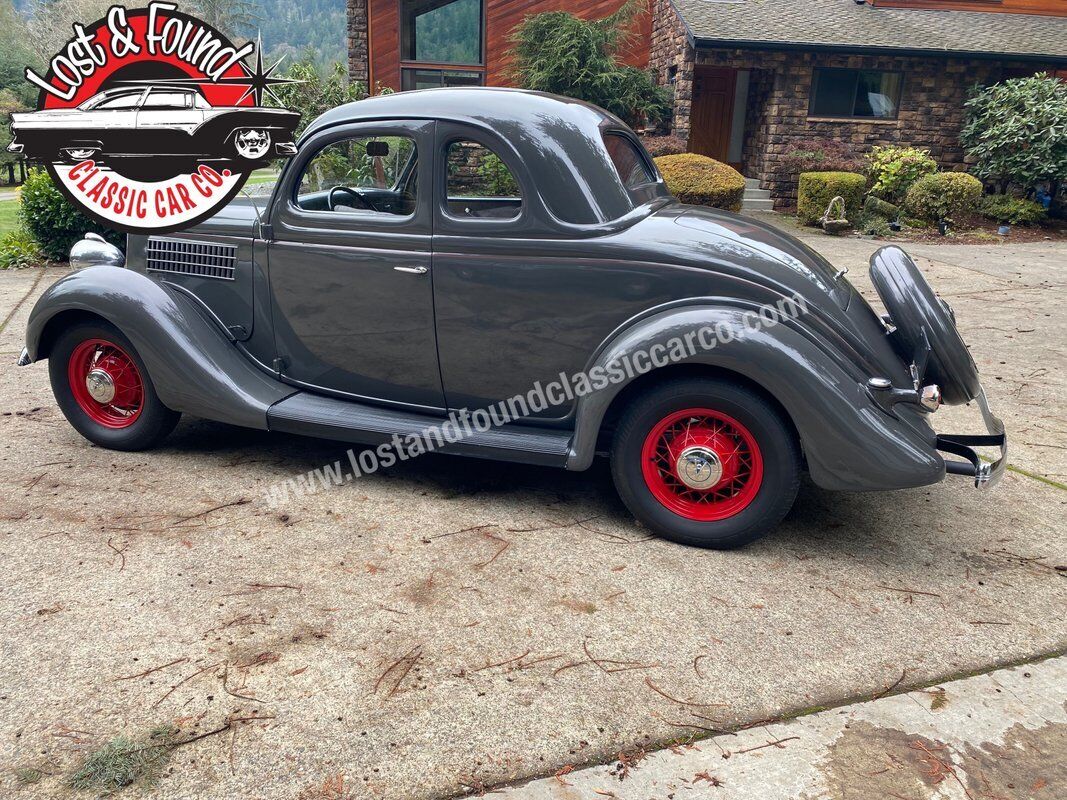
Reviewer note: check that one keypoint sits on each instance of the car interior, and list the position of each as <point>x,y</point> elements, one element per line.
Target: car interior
<point>379,175</point>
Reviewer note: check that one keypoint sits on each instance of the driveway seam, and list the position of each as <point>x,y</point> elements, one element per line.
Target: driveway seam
<point>898,689</point>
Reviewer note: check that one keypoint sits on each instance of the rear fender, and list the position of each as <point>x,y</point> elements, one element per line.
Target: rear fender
<point>195,367</point>
<point>849,442</point>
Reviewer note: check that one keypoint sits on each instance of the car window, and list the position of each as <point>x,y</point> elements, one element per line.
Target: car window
<point>158,100</point>
<point>130,100</point>
<point>362,175</point>
<point>629,161</point>
<point>479,183</point>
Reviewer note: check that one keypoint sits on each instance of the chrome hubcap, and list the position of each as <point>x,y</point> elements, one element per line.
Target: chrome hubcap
<point>100,385</point>
<point>698,467</point>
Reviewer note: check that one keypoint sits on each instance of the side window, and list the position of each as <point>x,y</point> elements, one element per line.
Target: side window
<point>479,183</point>
<point>157,99</point>
<point>362,175</point>
<point>121,101</point>
<point>629,162</point>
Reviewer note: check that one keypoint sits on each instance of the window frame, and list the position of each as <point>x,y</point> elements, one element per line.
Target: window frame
<point>412,64</point>
<point>855,93</point>
<point>367,219</point>
<point>447,223</point>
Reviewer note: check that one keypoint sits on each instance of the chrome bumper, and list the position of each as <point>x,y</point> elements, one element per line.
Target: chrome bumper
<point>24,357</point>
<point>985,474</point>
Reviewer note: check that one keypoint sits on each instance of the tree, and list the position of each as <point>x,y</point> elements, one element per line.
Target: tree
<point>1016,131</point>
<point>559,53</point>
<point>231,17</point>
<point>318,90</point>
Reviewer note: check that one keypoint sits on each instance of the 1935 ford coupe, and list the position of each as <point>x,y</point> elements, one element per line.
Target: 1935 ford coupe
<point>433,251</point>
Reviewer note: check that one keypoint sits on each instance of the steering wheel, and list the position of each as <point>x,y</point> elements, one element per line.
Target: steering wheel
<point>363,201</point>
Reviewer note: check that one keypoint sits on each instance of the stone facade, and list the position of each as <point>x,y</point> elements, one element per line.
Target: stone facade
<point>776,118</point>
<point>358,55</point>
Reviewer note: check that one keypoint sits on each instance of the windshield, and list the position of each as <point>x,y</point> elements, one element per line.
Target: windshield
<point>113,100</point>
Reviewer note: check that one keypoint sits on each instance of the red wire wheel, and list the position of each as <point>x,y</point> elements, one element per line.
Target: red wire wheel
<point>702,464</point>
<point>106,383</point>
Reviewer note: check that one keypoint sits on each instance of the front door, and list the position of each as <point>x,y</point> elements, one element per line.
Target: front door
<point>712,111</point>
<point>350,265</point>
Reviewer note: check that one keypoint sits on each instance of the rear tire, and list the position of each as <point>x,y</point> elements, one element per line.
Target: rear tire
<point>104,390</point>
<point>706,462</point>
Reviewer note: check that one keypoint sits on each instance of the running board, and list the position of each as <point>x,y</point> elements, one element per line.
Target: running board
<point>328,418</point>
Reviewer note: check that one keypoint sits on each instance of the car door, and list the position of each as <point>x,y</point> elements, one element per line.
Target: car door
<point>169,110</point>
<point>349,265</point>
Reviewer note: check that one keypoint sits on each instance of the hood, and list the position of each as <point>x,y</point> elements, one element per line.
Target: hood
<point>236,218</point>
<point>737,234</point>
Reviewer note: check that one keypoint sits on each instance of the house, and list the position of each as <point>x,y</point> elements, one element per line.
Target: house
<point>753,79</point>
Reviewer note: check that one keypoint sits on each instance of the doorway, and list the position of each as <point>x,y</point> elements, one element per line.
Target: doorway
<point>717,119</point>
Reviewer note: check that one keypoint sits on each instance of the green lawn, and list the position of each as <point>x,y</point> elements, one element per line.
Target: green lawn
<point>9,215</point>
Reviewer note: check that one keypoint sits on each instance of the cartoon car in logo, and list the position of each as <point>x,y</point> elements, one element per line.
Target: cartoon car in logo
<point>156,125</point>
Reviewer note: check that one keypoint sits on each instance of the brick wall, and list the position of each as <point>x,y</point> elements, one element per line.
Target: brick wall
<point>776,119</point>
<point>357,41</point>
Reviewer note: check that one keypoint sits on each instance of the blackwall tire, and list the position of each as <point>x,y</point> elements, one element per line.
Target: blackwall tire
<point>134,418</point>
<point>914,307</point>
<point>699,422</point>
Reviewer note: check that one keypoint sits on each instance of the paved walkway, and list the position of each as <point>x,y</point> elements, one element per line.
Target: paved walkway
<point>1002,735</point>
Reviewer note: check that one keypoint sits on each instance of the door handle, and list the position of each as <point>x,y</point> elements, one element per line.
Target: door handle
<point>412,270</point>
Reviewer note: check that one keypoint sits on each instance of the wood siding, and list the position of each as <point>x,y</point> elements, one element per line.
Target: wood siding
<point>1052,8</point>
<point>501,17</point>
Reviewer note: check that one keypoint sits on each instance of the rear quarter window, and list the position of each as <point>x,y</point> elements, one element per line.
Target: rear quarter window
<point>631,164</point>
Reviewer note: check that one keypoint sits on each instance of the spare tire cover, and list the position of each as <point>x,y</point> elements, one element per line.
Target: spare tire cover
<point>914,307</point>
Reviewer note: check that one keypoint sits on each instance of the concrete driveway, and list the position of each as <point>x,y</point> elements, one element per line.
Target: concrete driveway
<point>448,624</point>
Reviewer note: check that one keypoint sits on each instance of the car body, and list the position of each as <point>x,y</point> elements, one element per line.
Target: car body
<point>153,122</point>
<point>312,314</point>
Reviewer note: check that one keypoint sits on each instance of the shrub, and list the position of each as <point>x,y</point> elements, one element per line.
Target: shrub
<point>1015,131</point>
<point>663,145</point>
<point>702,181</point>
<point>559,53</point>
<point>1013,210</point>
<point>823,155</point>
<point>943,195</point>
<point>18,249</point>
<point>872,225</point>
<point>316,89</point>
<point>816,189</point>
<point>54,222</point>
<point>893,170</point>
<point>880,208</point>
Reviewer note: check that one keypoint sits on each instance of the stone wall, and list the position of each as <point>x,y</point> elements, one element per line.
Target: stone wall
<point>669,48</point>
<point>358,58</point>
<point>777,121</point>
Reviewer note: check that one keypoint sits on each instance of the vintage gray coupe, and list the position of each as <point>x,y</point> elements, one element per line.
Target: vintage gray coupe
<point>435,252</point>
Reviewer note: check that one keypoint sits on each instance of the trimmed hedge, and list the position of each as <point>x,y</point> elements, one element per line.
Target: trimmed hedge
<point>815,190</point>
<point>702,181</point>
<point>53,221</point>
<point>663,145</point>
<point>1013,210</point>
<point>943,195</point>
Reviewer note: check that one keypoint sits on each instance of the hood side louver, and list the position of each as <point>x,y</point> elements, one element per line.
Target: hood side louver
<point>186,257</point>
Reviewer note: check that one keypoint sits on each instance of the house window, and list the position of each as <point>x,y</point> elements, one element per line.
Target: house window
<point>854,93</point>
<point>416,78</point>
<point>441,31</point>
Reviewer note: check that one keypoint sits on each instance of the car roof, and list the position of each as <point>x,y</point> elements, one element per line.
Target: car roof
<point>557,139</point>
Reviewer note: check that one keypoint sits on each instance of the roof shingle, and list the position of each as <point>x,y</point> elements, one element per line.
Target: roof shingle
<point>847,25</point>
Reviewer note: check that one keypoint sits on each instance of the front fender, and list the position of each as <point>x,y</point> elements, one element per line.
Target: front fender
<point>194,367</point>
<point>849,443</point>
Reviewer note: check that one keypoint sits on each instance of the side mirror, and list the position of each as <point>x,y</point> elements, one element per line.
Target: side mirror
<point>377,148</point>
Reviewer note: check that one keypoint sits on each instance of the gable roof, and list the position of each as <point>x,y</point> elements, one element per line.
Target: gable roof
<point>847,25</point>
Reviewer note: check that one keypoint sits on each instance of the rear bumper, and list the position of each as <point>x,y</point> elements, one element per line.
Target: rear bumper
<point>986,474</point>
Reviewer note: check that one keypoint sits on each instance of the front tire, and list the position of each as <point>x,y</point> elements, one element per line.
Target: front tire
<point>706,462</point>
<point>104,390</point>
